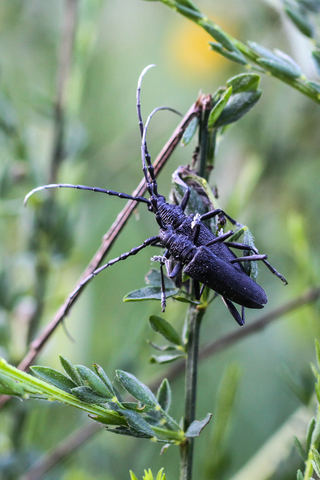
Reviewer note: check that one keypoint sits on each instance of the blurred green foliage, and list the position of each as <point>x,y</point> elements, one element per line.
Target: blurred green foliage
<point>267,173</point>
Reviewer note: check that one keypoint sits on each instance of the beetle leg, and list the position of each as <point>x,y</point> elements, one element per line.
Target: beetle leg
<point>234,312</point>
<point>242,246</point>
<point>163,289</point>
<point>221,238</point>
<point>197,291</point>
<point>123,256</point>
<point>249,258</point>
<point>216,212</point>
<point>185,199</point>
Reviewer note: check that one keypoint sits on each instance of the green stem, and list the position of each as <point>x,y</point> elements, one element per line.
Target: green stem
<point>309,467</point>
<point>193,14</point>
<point>186,449</point>
<point>35,386</point>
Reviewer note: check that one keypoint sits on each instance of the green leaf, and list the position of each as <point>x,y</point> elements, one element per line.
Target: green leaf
<point>315,438</point>
<point>219,36</point>
<point>148,293</point>
<point>244,82</point>
<point>85,394</point>
<point>197,426</point>
<point>190,131</point>
<point>312,5</point>
<point>132,475</point>
<point>279,68</point>
<point>289,60</point>
<point>162,348</point>
<point>316,462</point>
<point>318,352</point>
<point>164,395</point>
<point>138,424</point>
<point>262,51</point>
<point>311,427</point>
<point>161,359</point>
<point>102,374</point>
<point>161,475</point>
<point>193,14</point>
<point>70,370</point>
<point>136,407</point>
<point>94,382</point>
<point>300,475</point>
<point>136,388</point>
<point>160,325</point>
<point>316,60</point>
<point>54,377</point>
<point>300,449</point>
<point>218,108</point>
<point>237,106</point>
<point>10,386</point>
<point>154,278</point>
<point>235,56</point>
<point>301,21</point>
<point>314,85</point>
<point>188,4</point>
<point>181,299</point>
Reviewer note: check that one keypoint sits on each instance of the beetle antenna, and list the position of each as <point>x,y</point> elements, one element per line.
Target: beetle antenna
<point>84,187</point>
<point>146,159</point>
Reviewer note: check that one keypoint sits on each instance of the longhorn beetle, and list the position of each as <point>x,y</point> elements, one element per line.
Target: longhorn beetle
<point>203,256</point>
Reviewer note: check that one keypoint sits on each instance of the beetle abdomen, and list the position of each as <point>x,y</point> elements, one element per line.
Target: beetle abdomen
<point>223,278</point>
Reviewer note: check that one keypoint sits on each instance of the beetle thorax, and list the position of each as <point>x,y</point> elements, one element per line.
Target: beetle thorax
<point>170,214</point>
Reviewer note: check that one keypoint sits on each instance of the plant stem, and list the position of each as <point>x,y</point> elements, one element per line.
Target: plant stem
<point>186,450</point>
<point>301,83</point>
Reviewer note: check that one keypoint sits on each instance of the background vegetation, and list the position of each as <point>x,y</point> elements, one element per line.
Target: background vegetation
<point>267,174</point>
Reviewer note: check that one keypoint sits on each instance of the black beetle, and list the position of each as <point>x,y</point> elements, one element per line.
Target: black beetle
<point>203,256</point>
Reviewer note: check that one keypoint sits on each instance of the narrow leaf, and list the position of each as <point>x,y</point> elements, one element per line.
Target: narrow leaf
<point>160,325</point>
<point>148,293</point>
<point>54,377</point>
<point>85,394</point>
<point>279,68</point>
<point>218,108</point>
<point>197,426</point>
<point>237,106</point>
<point>94,382</point>
<point>190,131</point>
<point>181,299</point>
<point>312,5</point>
<point>164,395</point>
<point>102,374</point>
<point>244,82</point>
<point>300,449</point>
<point>138,424</point>
<point>189,4</point>
<point>136,388</point>
<point>262,51</point>
<point>301,21</point>
<point>161,359</point>
<point>236,56</point>
<point>10,386</point>
<point>162,348</point>
<point>153,278</point>
<point>311,427</point>
<point>315,438</point>
<point>316,60</point>
<point>300,475</point>
<point>288,59</point>
<point>132,476</point>
<point>315,86</point>
<point>316,463</point>
<point>220,37</point>
<point>70,370</point>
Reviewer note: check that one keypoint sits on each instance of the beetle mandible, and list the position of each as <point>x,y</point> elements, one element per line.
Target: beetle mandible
<point>194,248</point>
